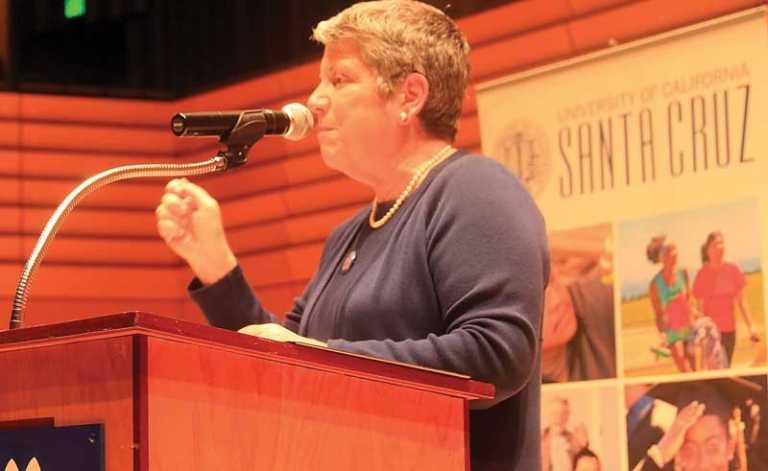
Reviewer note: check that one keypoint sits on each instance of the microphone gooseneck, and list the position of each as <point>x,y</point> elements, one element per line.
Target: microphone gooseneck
<point>215,164</point>
<point>238,130</point>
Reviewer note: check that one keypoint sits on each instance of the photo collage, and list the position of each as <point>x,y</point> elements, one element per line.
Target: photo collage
<point>654,351</point>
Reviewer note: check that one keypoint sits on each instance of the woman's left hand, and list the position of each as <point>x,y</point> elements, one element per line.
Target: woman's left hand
<point>278,333</point>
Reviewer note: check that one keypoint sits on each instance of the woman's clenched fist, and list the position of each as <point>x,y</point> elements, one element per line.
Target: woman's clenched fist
<point>189,221</point>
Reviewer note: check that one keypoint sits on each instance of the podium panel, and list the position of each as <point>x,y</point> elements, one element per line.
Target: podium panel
<point>227,410</point>
<point>176,395</point>
<point>82,382</point>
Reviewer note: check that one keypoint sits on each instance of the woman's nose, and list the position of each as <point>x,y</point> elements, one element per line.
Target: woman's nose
<point>318,102</point>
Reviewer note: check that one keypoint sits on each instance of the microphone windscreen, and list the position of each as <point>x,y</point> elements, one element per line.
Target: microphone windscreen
<point>302,121</point>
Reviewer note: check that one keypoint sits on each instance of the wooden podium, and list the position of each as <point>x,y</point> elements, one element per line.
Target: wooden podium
<point>175,395</point>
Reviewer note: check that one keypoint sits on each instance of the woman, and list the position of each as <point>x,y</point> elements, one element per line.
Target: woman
<point>670,292</point>
<point>447,266</point>
<point>719,287</point>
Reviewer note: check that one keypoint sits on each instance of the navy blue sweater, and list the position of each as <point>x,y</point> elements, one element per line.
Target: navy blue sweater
<point>453,281</point>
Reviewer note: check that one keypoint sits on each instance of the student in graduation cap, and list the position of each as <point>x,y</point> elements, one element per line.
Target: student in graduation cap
<point>716,424</point>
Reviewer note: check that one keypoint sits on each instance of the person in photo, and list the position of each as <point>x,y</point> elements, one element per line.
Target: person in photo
<point>669,293</point>
<point>719,288</point>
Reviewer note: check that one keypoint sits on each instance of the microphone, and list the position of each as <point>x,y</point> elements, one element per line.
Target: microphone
<point>293,122</point>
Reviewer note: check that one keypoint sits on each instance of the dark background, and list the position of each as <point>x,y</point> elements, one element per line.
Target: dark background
<point>165,49</point>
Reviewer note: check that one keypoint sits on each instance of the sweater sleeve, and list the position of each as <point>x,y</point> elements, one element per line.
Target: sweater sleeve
<point>230,303</point>
<point>487,254</point>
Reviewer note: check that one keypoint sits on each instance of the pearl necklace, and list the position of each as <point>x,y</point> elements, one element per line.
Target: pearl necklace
<point>419,175</point>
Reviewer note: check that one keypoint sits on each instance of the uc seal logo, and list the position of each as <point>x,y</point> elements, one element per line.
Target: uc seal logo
<point>523,148</point>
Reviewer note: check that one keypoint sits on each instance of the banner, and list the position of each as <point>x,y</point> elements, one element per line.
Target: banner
<point>648,161</point>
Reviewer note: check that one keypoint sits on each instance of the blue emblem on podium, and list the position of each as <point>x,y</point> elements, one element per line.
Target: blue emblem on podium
<point>49,448</point>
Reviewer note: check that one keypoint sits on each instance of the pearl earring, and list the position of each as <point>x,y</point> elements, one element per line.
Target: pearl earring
<point>403,116</point>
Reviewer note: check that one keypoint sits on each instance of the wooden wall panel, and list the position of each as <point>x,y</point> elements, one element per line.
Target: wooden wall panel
<point>47,310</point>
<point>280,206</point>
<point>514,53</point>
<point>279,298</point>
<point>10,248</point>
<point>77,136</point>
<point>270,148</point>
<point>10,162</point>
<point>326,194</point>
<point>132,194</point>
<point>582,7</point>
<point>9,277</point>
<point>113,251</point>
<point>247,180</point>
<point>10,219</point>
<point>644,18</point>
<point>61,292</point>
<point>307,168</point>
<point>302,229</point>
<point>107,282</point>
<point>252,209</point>
<point>9,133</point>
<point>469,132</point>
<point>11,194</point>
<point>123,222</point>
<point>513,19</point>
<point>136,113</point>
<point>79,165</point>
<point>107,251</point>
<point>285,265</point>
<point>9,105</point>
<point>261,176</point>
<point>275,87</point>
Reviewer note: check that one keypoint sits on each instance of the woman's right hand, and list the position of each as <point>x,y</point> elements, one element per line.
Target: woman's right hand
<point>189,221</point>
<point>663,339</point>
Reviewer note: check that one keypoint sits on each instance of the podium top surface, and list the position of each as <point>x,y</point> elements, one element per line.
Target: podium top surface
<point>151,325</point>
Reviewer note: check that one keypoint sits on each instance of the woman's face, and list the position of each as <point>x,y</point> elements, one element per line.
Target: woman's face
<point>355,125</point>
<point>716,248</point>
<point>669,255</point>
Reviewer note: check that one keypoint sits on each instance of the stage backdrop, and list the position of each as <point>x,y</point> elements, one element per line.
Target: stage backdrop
<point>648,153</point>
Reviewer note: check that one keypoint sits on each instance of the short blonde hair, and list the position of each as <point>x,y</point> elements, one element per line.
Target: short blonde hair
<point>398,37</point>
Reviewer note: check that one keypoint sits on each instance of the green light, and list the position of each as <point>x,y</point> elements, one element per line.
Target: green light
<point>74,8</point>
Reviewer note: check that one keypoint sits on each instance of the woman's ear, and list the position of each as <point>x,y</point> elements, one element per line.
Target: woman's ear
<point>414,92</point>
